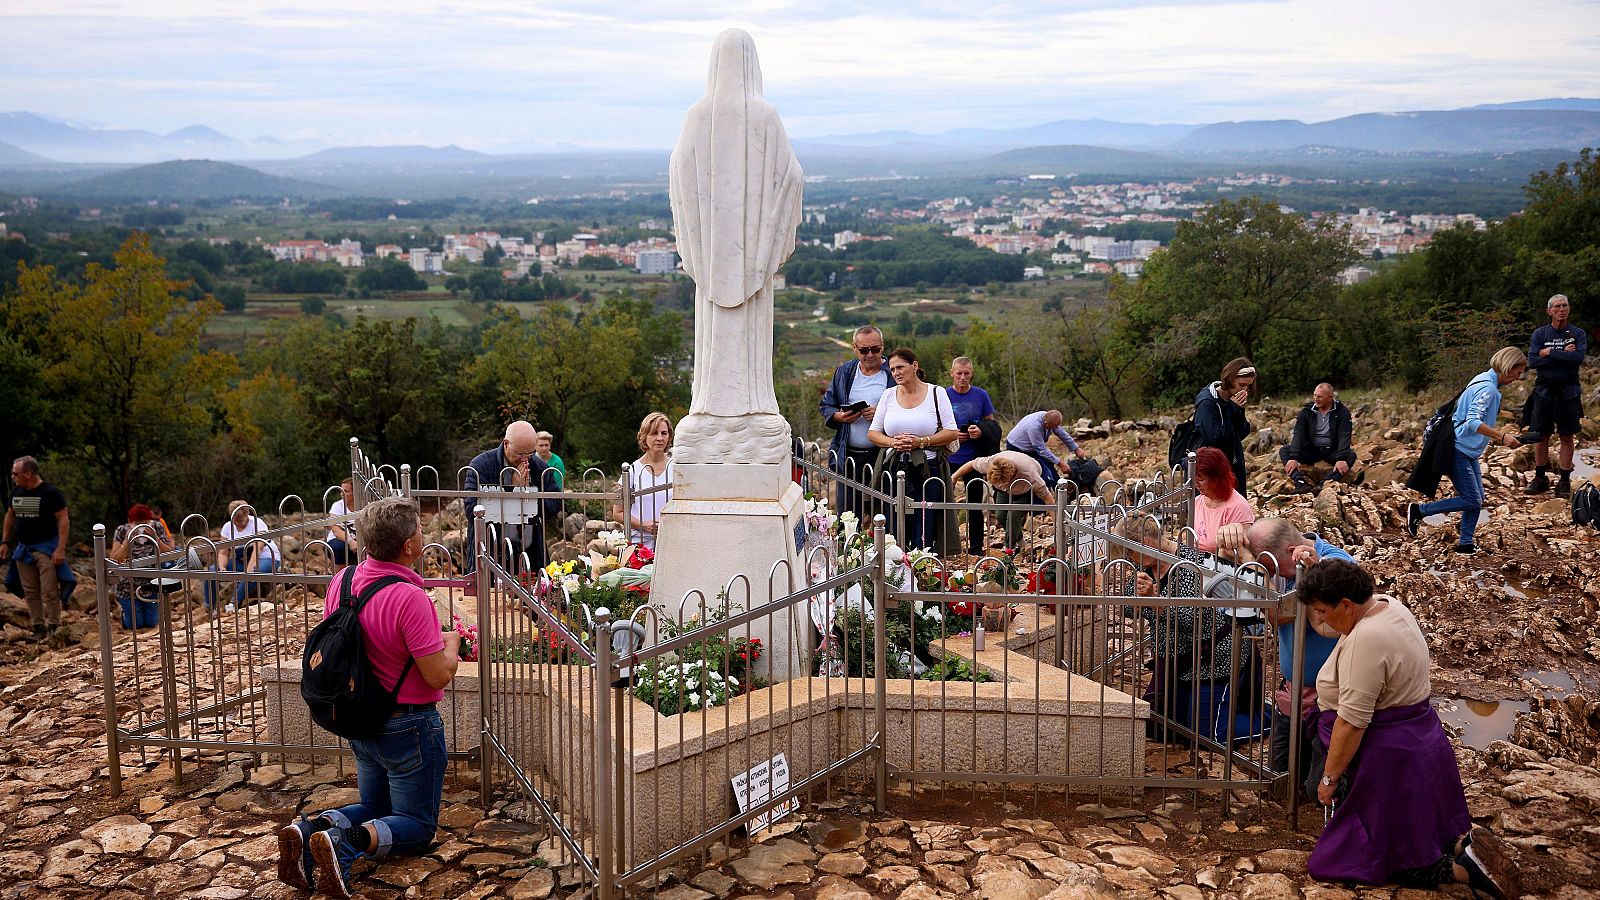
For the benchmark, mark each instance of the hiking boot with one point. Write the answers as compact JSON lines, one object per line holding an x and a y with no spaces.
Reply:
{"x":296,"y":868}
{"x":1539,"y":485}
{"x":1489,"y":865}
{"x":1564,"y":485}
{"x":1413,"y":518}
{"x":331,"y":857}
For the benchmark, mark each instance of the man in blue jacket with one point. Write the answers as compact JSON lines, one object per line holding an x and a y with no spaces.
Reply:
{"x":512,"y":465}
{"x":1556,"y":403}
{"x":847,"y":407}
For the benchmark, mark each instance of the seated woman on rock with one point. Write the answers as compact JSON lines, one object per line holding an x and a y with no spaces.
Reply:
{"x":1382,"y":759}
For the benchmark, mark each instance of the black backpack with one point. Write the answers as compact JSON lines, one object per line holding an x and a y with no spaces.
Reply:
{"x":1586,"y":506}
{"x":1084,"y":473}
{"x":336,"y":678}
{"x":1184,"y":439}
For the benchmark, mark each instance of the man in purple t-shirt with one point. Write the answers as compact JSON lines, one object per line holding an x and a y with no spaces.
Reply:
{"x":971,"y":406}
{"x":400,"y":773}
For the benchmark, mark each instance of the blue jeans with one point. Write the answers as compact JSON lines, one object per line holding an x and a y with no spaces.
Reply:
{"x":400,"y":775}
{"x":340,"y":551}
{"x":1468,"y":499}
{"x":924,"y":527}
{"x":237,"y":563}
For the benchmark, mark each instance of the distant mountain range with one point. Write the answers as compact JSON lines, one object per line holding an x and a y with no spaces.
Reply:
{"x":188,"y":181}
{"x":1554,"y":123}
{"x":59,"y":141}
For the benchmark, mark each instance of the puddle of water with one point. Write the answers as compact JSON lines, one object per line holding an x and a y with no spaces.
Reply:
{"x":1585,"y":464}
{"x":1555,"y":681}
{"x":1516,"y":589}
{"x":1481,"y":722}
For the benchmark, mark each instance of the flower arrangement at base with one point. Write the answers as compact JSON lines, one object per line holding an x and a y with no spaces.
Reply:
{"x":703,"y":673}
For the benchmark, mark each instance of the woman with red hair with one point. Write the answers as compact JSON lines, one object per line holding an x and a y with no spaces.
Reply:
{"x":1217,"y":501}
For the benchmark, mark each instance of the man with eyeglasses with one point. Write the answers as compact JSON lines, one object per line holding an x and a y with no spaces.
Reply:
{"x":513,"y":465}
{"x":36,"y":541}
{"x":848,"y":406}
{"x":1556,"y":403}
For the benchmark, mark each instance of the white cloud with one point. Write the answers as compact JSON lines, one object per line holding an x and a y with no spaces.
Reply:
{"x":485,"y":73}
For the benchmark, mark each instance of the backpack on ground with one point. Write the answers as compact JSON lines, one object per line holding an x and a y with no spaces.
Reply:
{"x":1084,"y":473}
{"x":336,"y":677}
{"x":1184,"y":439}
{"x":1586,"y":506}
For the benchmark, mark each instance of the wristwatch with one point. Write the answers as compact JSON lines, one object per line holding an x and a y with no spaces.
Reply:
{"x":1326,"y":781}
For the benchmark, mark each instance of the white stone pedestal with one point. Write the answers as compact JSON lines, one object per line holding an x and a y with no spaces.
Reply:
{"x":709,"y":534}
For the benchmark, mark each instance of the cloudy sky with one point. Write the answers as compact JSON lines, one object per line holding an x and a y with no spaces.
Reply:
{"x":618,"y":73}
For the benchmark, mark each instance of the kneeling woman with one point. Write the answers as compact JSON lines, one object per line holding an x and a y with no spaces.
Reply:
{"x":1399,"y":813}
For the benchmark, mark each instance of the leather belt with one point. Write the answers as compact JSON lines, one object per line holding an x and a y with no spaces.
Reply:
{"x":406,"y":709}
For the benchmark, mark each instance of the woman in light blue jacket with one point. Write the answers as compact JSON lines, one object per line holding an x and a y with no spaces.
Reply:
{"x":1477,"y":410}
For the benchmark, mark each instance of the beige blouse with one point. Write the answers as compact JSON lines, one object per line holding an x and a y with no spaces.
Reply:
{"x":1382,"y":663}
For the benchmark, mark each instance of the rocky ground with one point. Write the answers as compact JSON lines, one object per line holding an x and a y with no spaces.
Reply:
{"x":1513,"y":632}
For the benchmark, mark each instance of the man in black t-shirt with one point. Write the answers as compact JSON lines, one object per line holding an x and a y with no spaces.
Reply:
{"x":1555,"y":405}
{"x":36,"y":540}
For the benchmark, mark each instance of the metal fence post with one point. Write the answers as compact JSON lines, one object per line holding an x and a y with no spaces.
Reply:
{"x":902,"y":507}
{"x":485,"y":664}
{"x":605,"y":864}
{"x":107,"y":668}
{"x":405,"y":479}
{"x":1296,"y":687}
{"x":1188,"y":490}
{"x":169,"y":681}
{"x":880,"y":687}
{"x":626,"y":500}
{"x":1058,"y":648}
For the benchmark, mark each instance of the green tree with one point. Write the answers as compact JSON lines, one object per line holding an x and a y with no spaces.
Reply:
{"x":121,"y":356}
{"x":1240,"y":277}
{"x":1092,"y":354}
{"x":1557,"y":240}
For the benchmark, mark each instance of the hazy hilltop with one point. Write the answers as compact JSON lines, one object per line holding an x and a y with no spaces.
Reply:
{"x":1462,"y":130}
{"x":191,"y":180}
{"x":16,"y":156}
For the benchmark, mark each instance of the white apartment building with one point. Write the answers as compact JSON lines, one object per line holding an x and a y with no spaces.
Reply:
{"x":655,"y":262}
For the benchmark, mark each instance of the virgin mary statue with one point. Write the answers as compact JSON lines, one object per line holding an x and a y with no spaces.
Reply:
{"x":735,"y":188}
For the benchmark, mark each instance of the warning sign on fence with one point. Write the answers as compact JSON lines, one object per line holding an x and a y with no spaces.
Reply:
{"x":759,"y":785}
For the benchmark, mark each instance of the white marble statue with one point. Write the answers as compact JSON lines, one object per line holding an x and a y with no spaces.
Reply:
{"x":735,"y":190}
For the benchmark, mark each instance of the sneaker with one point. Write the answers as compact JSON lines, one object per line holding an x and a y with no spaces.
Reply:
{"x":1302,"y":485}
{"x":1489,"y":865}
{"x":1413,"y":518}
{"x":296,"y":868}
{"x":1468,"y":549}
{"x":1361,"y":478}
{"x":1537,"y":486}
{"x":331,"y":856}
{"x":40,"y":632}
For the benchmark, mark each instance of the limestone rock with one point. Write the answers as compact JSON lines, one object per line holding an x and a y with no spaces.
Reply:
{"x":844,"y":863}
{"x":891,"y":879}
{"x":1283,"y":860}
{"x":768,"y":865}
{"x":1269,"y":886}
{"x":714,"y":882}
{"x":1135,"y":857}
{"x":119,"y":834}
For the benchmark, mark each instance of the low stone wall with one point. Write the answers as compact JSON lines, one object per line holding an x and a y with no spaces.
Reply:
{"x":675,"y":771}
{"x":289,"y":721}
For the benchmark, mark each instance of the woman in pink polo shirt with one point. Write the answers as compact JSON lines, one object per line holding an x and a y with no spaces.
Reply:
{"x":1217,"y":500}
{"x":400,"y":773}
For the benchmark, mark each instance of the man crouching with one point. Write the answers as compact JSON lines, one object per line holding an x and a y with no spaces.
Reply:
{"x":400,"y":773}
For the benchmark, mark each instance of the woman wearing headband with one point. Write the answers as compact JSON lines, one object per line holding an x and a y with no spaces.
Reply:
{"x":1219,"y":414}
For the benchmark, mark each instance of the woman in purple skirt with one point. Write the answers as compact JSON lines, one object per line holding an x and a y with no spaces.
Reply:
{"x":1382,"y":760}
